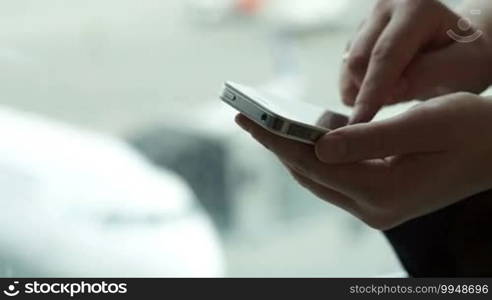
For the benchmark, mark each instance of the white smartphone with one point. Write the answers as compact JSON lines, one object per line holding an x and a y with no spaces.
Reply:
{"x":295,"y":120}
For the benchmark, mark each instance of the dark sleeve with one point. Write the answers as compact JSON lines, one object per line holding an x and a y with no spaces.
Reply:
{"x":453,"y":242}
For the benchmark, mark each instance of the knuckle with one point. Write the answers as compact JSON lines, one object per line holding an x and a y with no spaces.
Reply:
{"x":428,"y":110}
{"x":357,"y":62}
{"x":453,"y":105}
{"x":383,"y":52}
{"x":460,"y":96}
{"x":463,"y":106}
{"x":460,"y":102}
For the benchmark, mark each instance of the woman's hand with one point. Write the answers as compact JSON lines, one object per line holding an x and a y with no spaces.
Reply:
{"x":388,"y":172}
{"x":405,"y":51}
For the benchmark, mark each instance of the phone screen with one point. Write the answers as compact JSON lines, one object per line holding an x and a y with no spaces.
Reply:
{"x":298,"y":111}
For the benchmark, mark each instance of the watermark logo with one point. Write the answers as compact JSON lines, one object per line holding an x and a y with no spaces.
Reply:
{"x":70,"y":289}
{"x":465,"y":24}
{"x":11,"y":290}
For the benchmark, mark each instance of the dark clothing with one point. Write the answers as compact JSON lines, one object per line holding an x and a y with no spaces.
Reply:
{"x":453,"y":242}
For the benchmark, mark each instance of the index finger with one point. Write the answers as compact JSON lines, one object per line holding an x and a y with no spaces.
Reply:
{"x":399,"y":43}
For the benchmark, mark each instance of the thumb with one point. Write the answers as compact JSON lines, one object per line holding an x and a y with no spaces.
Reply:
{"x":403,"y":134}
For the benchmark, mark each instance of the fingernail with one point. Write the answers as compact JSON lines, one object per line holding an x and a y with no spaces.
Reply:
{"x":331,"y":148}
{"x":357,"y":116}
{"x":362,"y":113}
{"x":354,"y":119}
{"x":241,"y":122}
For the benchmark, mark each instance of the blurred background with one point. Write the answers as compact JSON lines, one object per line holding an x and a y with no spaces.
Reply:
{"x":118,"y":159}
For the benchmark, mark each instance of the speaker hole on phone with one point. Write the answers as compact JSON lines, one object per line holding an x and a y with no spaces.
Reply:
{"x":264,"y":117}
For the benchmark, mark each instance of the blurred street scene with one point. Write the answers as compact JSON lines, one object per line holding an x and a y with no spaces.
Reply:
{"x":124,"y":154}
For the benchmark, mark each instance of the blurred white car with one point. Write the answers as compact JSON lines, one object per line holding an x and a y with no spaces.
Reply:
{"x":74,"y":203}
